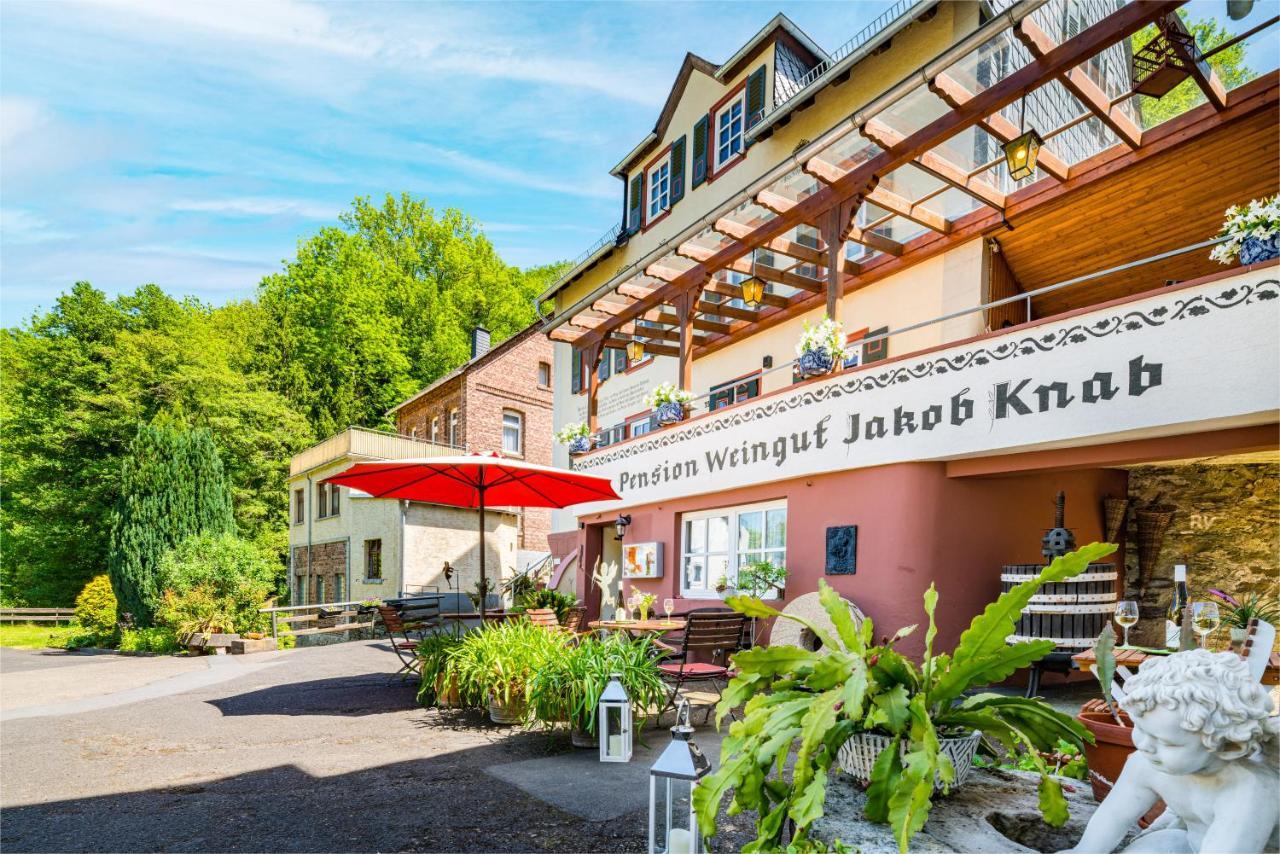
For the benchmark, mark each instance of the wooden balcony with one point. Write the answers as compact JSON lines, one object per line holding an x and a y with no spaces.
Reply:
{"x":368,"y":444}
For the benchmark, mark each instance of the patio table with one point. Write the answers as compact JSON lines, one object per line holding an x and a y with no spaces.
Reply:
{"x":638,"y":626}
{"x":1132,"y":658}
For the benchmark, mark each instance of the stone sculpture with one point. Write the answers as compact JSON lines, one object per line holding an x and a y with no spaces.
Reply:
{"x":1206,"y":745}
{"x":604,"y":576}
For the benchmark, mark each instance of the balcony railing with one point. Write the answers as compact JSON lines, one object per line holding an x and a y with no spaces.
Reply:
{"x":362,"y":442}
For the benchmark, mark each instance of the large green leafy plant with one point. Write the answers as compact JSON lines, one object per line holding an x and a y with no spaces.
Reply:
{"x":808,"y":704}
{"x":496,"y":662}
{"x":568,"y":687}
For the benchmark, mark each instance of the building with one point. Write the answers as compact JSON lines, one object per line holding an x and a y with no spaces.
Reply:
{"x":361,"y":548}
{"x":1007,"y":338}
{"x":498,"y":401}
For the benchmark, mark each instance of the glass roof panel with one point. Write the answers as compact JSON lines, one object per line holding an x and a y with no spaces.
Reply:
{"x":850,"y":151}
{"x":750,"y":214}
{"x":900,"y":229}
{"x":910,"y":182}
{"x":914,"y":111}
{"x":952,"y":203}
{"x":796,"y":185}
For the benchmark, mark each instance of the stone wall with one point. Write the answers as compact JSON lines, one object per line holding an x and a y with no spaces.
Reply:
{"x":328,"y":562}
{"x":1226,"y":530}
{"x":415,"y":418}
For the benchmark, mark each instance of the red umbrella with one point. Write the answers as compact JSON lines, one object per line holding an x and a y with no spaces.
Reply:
{"x":476,"y":480}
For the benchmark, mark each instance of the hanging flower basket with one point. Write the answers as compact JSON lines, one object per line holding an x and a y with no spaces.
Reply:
{"x":858,"y":755}
{"x":669,"y":404}
{"x":576,"y":437}
{"x":1252,"y":232}
{"x":820,"y":348}
{"x":581,"y":445}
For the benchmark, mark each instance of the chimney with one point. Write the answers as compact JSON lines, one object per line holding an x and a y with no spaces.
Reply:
{"x":479,"y":342}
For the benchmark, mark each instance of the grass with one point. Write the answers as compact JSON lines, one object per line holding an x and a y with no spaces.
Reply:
{"x":36,"y":635}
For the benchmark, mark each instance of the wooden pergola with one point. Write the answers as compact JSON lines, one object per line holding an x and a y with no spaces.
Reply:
{"x":686,"y":304}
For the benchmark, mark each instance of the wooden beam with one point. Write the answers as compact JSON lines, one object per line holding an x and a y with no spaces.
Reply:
{"x":907,"y":209}
{"x":563,"y":333}
{"x":1081,"y":85}
{"x":871,"y":240}
{"x":592,"y":358}
{"x":773,"y":274}
{"x":633,"y":291}
{"x":735,"y":292}
{"x":722,"y":310}
{"x":775,"y":202}
{"x":1110,"y":30}
{"x":956,"y":96}
{"x":1200,"y":70}
{"x":937,"y":166}
{"x":791,"y":248}
{"x":699,"y":323}
{"x":835,"y":226}
{"x":650,"y":348}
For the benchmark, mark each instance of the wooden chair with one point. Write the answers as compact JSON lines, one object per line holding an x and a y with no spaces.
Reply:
{"x":574,"y":618}
{"x":545,"y":617}
{"x":398,"y":634}
{"x":713,"y":632}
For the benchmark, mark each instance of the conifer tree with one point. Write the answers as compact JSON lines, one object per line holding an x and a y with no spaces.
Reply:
{"x":172,"y":486}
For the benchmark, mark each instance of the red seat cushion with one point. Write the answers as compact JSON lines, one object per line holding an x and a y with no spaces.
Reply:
{"x":406,"y":645}
{"x":694,"y":669}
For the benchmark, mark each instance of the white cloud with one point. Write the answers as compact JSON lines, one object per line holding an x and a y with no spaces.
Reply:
{"x":23,"y":226}
{"x":257,"y":206}
{"x":595,"y":189}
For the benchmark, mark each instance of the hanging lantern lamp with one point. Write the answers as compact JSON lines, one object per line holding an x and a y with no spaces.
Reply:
{"x":752,"y":286}
{"x":635,"y":350}
{"x":1020,"y":153}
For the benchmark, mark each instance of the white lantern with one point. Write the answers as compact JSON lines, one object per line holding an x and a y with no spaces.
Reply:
{"x":613,"y":722}
{"x":673,"y":827}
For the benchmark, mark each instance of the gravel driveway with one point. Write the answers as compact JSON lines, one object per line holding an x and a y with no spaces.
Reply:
{"x":308,"y":750}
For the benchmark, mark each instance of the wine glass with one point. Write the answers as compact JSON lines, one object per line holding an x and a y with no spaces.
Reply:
{"x":1126,"y":616}
{"x":668,"y":605}
{"x":1204,"y":619}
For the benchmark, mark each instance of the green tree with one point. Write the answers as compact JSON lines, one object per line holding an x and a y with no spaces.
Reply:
{"x":369,"y":312}
{"x":1229,"y":65}
{"x":171,"y":487}
{"x":234,"y":576}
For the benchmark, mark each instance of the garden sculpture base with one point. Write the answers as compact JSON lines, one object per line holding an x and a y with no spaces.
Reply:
{"x":994,"y":811}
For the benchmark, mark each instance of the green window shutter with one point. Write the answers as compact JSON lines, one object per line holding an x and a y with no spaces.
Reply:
{"x":637,"y":204}
{"x":755,"y":97}
{"x":576,"y":381}
{"x":606,"y":366}
{"x":677,"y":171}
{"x":619,"y":360}
{"x":699,"y":165}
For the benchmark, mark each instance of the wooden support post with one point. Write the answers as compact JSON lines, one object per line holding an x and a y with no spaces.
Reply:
{"x":592,"y":357}
{"x":686,"y":308}
{"x":835,"y":225}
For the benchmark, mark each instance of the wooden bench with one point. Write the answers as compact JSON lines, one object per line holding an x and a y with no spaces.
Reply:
{"x":37,"y":615}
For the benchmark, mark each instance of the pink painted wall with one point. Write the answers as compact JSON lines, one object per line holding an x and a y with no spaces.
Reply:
{"x":915,"y":526}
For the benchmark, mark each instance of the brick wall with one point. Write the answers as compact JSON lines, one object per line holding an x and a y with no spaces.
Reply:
{"x":508,"y":380}
{"x":415,"y":419}
{"x":328,"y":562}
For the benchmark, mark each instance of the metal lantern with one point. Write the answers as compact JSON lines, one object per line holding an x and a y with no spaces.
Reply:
{"x":1021,"y":153}
{"x":673,"y":826}
{"x":635,"y":350}
{"x":753,"y":286}
{"x":613,"y":722}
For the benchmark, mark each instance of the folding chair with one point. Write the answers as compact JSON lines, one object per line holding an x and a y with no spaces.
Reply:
{"x":406,"y":649}
{"x":714,"y":632}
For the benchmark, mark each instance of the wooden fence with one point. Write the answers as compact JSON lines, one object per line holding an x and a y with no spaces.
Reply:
{"x":37,"y":615}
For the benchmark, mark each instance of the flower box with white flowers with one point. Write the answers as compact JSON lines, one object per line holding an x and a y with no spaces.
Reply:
{"x":1252,"y":232}
{"x":820,"y":348}
{"x":576,"y":437}
{"x":669,"y":404}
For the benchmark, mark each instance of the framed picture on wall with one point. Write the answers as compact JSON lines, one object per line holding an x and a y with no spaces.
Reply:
{"x":642,"y":560}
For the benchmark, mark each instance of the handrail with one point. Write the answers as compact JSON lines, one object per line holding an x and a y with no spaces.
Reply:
{"x":1028,"y":296}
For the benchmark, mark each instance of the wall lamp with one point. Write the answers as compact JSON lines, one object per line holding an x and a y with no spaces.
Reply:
{"x":620,"y":525}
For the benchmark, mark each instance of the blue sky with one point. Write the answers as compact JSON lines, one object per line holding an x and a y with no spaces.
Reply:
{"x":193,"y":144}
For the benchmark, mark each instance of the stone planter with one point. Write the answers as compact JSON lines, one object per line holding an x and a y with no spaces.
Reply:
{"x":815,"y":363}
{"x":507,"y":713}
{"x":583,"y":739}
{"x":247,"y":646}
{"x":214,"y":643}
{"x":580,"y":445}
{"x":1106,"y":756}
{"x":858,"y":755}
{"x":671,"y":412}
{"x":1255,"y":250}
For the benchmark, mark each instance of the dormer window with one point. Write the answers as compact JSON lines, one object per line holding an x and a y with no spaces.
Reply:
{"x":729,"y":125}
{"x":659,"y":189}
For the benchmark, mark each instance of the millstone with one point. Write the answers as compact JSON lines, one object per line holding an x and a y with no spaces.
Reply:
{"x":809,"y":606}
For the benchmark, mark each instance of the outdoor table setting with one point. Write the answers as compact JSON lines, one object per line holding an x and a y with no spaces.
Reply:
{"x":639,"y":626}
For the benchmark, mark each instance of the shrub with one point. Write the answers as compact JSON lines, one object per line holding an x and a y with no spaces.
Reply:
{"x":159,"y":639}
{"x":96,"y":607}
{"x":496,"y":661}
{"x":568,"y":687}
{"x":215,"y":583}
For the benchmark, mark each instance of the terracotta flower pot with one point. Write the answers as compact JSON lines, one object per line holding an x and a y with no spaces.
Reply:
{"x":447,"y":696}
{"x":1107,"y":756}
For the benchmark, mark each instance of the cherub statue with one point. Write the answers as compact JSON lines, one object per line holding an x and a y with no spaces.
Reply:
{"x":1206,"y":745}
{"x":604,"y":575}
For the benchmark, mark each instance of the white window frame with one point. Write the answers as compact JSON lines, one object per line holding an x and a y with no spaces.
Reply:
{"x":658,"y":187}
{"x":453,"y":427}
{"x":519,"y":431}
{"x":722,"y":159}
{"x":707,"y":588}
{"x":544,"y":375}
{"x":435,"y":429}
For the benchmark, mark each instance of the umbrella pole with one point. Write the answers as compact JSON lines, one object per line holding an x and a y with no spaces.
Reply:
{"x":484,"y":588}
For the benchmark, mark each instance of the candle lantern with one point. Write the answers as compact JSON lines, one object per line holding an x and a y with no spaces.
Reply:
{"x":635,"y":350}
{"x":673,"y":826}
{"x":613,"y":722}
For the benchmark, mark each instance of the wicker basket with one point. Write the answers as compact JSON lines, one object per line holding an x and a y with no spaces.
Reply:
{"x":858,"y":755}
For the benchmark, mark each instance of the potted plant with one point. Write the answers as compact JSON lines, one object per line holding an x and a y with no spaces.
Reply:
{"x":492,"y":666}
{"x":1253,"y":233}
{"x":820,"y":348}
{"x":553,"y":599}
{"x":1239,"y":613}
{"x":762,"y":576}
{"x":644,"y":602}
{"x":813,"y":704}
{"x":576,"y":437}
{"x":482,"y":590}
{"x":567,"y":688}
{"x":438,"y":686}
{"x":669,"y":403}
{"x":722,"y":584}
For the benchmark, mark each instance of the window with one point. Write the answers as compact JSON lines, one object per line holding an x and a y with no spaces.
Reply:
{"x":320,"y":589}
{"x":299,"y":506}
{"x":453,"y":427}
{"x":512,"y":431}
{"x":659,"y":189}
{"x":612,"y":435}
{"x":372,"y":559}
{"x":337,"y":588}
{"x":544,"y":375}
{"x":301,"y":593}
{"x":326,"y":500}
{"x":734,"y":391}
{"x":435,"y":429}
{"x":729,"y":130}
{"x":717,"y":543}
{"x":643,"y":424}
{"x":575,"y":381}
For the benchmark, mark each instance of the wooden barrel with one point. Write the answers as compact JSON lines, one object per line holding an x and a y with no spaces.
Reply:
{"x":1070,"y":613}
